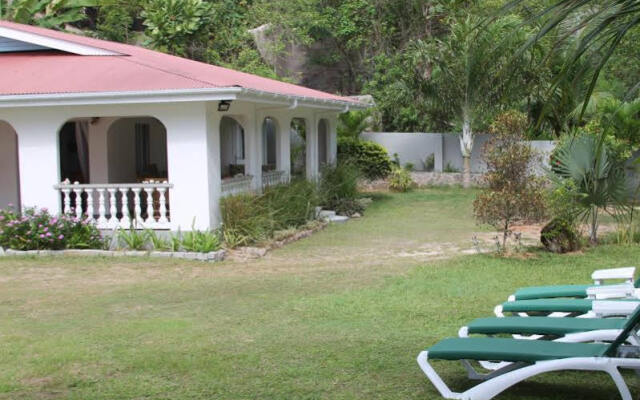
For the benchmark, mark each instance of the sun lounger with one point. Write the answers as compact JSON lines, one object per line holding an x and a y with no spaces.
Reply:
{"x":526,"y":358}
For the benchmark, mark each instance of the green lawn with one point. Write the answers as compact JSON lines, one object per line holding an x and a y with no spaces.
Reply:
{"x":340,"y":315}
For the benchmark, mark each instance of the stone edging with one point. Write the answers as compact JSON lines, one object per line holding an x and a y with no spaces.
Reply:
{"x":213,"y":256}
{"x":247,"y":252}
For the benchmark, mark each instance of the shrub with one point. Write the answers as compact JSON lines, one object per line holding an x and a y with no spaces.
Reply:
{"x":290,"y":205}
{"x":248,"y":219}
{"x":371,"y":158}
{"x":450,"y":169}
{"x":510,"y":122}
{"x":400,"y":180}
{"x":429,"y":163}
{"x":133,"y":239}
{"x":200,"y":241}
{"x":513,"y":194}
{"x":38,"y":230}
{"x":245,"y":218}
{"x":338,"y":188}
{"x":559,"y":236}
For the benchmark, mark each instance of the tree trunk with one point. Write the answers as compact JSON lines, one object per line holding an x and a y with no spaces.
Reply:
{"x":593,"y":235}
{"x":466,"y":147}
{"x":466,"y":171}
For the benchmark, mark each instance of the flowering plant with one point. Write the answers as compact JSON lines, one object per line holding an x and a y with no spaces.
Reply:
{"x":37,"y":229}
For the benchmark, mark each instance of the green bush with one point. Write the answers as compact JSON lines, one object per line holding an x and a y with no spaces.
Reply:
{"x":338,"y":183}
{"x":249,"y":219}
{"x":400,"y":180}
{"x":371,"y":158}
{"x":245,"y":219}
{"x":200,"y":241}
{"x":194,"y":241}
{"x":38,"y":230}
{"x":290,"y":205}
{"x":560,"y":236}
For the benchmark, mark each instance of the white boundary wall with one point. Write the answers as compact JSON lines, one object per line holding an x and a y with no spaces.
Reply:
{"x":415,"y":147}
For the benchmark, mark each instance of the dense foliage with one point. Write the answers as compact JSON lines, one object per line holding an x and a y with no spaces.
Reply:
{"x":371,"y":158}
{"x":39,"y":230}
{"x":430,"y":65}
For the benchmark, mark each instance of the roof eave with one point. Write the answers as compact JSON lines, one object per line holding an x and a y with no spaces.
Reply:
{"x":174,"y":95}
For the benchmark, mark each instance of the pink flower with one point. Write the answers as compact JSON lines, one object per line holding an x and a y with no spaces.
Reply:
{"x":61,"y":237}
{"x":48,"y":234}
{"x":41,"y":236}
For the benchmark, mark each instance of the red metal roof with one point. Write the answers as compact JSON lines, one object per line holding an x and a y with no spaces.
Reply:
{"x":137,"y":69}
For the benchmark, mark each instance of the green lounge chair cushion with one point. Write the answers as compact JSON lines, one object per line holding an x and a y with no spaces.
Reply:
{"x":543,"y":325}
{"x":513,"y":350}
{"x":542,"y":292}
{"x":548,"y":305}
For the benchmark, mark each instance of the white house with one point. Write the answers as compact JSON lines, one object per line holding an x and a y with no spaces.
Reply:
{"x":121,"y":133}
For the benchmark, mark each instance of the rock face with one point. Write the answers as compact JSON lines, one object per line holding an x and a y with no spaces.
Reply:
{"x":558,"y":237}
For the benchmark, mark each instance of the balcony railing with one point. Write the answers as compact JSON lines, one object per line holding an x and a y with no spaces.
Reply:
{"x":236,"y":185}
{"x":273,"y":178}
{"x":119,"y":205}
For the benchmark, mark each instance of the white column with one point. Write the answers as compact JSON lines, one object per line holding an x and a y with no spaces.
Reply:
{"x":187,"y":154}
{"x":312,"y":148}
{"x":39,"y":161}
{"x":332,"y":146}
{"x":213,"y":165}
{"x":98,"y":150}
{"x":283,"y":144}
{"x":253,"y":150}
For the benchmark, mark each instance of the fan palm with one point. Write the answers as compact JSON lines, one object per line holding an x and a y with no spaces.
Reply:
{"x":598,"y":181}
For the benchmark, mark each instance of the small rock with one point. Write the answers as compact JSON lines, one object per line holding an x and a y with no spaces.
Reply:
{"x":1,"y":251}
{"x":356,"y":215}
{"x":135,"y":253}
{"x":254,"y":252}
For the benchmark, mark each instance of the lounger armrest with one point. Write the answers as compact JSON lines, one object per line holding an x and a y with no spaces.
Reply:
{"x":626,"y":273}
{"x":623,"y":290}
{"x":613,"y":308}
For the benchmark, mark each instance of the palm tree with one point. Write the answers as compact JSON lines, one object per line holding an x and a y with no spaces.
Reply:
{"x":467,"y":72}
{"x":599,"y":27}
{"x":595,"y":180}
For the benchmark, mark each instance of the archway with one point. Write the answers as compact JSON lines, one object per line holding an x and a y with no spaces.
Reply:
{"x":232,"y":148}
{"x":137,"y":150}
{"x":9,"y":169}
{"x":298,"y":147}
{"x":323,"y":143}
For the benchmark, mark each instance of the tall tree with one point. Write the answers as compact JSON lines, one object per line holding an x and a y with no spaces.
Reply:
{"x":468,"y":75}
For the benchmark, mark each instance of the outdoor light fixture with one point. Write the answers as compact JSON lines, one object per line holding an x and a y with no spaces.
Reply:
{"x":224,"y":105}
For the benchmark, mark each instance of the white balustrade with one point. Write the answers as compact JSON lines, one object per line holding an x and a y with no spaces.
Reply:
{"x":110,"y":206}
{"x":273,"y":178}
{"x":236,"y":185}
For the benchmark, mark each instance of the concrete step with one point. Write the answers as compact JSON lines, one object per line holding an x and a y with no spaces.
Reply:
{"x":326,"y":214}
{"x":338,"y":219}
